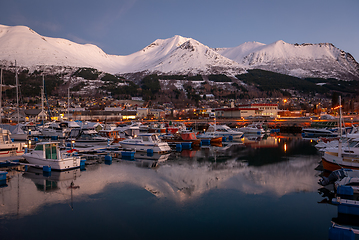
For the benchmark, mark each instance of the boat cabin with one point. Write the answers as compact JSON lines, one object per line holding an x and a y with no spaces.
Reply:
{"x":5,"y":139}
{"x":149,"y":137}
{"x":50,"y":149}
{"x":83,"y":133}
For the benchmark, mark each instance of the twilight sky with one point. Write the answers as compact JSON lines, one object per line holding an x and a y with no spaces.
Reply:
{"x":123,"y":27}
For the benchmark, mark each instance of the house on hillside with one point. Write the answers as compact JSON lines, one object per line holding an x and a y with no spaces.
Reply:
{"x":15,"y":117}
{"x":142,"y":113}
{"x":34,"y":115}
{"x":157,"y":113}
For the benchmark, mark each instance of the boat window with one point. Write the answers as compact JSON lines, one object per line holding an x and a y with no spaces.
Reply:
{"x":154,"y":139}
{"x":145,"y":138}
{"x":85,"y":137}
{"x":53,"y":152}
{"x":39,"y":147}
{"x":48,"y":151}
{"x":6,"y":138}
{"x":352,"y":144}
{"x":353,"y":184}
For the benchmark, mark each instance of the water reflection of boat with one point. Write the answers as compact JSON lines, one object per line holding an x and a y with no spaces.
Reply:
{"x":183,"y":137}
{"x":154,"y":157}
{"x":55,"y":181}
{"x":258,"y":141}
{"x":214,"y":139}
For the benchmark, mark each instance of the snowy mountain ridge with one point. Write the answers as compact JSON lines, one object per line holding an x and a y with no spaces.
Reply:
{"x":178,"y":55}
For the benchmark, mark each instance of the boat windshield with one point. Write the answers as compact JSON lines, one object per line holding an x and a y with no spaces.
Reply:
{"x":155,"y":138}
{"x":50,"y":151}
{"x":6,"y":138}
{"x":352,"y":144}
{"x":39,"y":147}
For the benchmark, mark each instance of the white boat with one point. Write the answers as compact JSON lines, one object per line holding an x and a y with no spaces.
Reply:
{"x":346,"y":156}
{"x":31,"y":129}
{"x":7,"y":147}
{"x":342,"y":157}
{"x":225,"y":131}
{"x":145,"y":141}
{"x":253,"y":128}
{"x":128,"y":131}
{"x":53,"y":130}
{"x":350,"y":179}
{"x":18,"y":134}
{"x":317,"y":132}
{"x":87,"y":137}
{"x":49,"y":154}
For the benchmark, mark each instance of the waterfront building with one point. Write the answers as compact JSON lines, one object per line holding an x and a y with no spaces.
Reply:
{"x":264,"y":109}
{"x":235,"y":112}
{"x":142,"y":113}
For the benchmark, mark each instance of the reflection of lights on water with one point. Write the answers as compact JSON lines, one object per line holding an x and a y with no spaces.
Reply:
{"x":285,"y":147}
{"x":278,"y":140}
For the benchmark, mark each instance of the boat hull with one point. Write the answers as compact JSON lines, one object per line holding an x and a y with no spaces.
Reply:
{"x":84,"y":143}
{"x":331,"y":162}
{"x":143,"y":147}
{"x":62,"y":164}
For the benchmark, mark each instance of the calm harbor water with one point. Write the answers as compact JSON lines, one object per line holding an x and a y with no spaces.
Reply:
{"x":265,"y":190}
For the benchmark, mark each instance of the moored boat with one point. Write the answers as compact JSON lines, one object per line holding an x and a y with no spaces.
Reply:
{"x":225,"y":131}
{"x":183,"y":137}
{"x":253,"y":128}
{"x":317,"y":132}
{"x":342,"y":157}
{"x":87,"y":137}
{"x":213,"y":139}
{"x":7,"y":147}
{"x":146,"y":141}
{"x":49,"y":154}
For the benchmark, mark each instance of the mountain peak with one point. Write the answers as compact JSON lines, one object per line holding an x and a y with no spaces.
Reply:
{"x":178,"y":55}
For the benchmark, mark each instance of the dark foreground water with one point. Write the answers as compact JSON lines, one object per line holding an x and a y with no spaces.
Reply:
{"x":266,"y":190}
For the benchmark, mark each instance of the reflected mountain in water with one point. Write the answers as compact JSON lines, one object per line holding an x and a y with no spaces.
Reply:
{"x":180,"y":178}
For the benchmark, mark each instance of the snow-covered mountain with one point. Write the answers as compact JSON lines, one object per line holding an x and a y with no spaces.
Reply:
{"x":177,"y":55}
{"x":30,"y":49}
{"x":300,"y":60}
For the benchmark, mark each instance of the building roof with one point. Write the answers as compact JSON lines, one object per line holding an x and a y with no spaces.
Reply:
{"x":260,"y":105}
{"x":236,"y":109}
{"x":33,"y":112}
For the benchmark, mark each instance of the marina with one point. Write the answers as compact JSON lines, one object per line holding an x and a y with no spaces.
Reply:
{"x":227,"y":191}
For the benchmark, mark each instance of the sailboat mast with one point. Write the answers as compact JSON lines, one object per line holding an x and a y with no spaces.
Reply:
{"x":42,"y":99}
{"x":17,"y":94}
{"x":68,"y":103}
{"x":340,"y":117}
{"x":340,"y":128}
{"x":0,"y":96}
